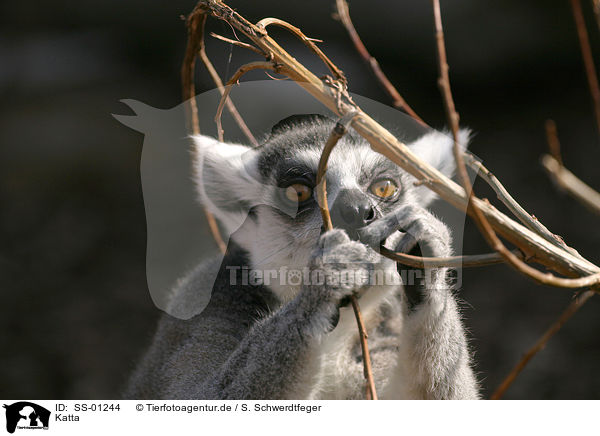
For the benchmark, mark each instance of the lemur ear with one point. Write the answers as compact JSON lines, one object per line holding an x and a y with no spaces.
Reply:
{"x":226,"y":178}
{"x":435,"y":148}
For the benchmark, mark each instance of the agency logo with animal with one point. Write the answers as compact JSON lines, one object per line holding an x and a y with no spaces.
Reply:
{"x":24,"y":415}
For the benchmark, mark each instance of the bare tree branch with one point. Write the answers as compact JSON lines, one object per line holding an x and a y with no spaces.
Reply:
{"x":234,"y":79}
{"x":588,"y":59}
{"x":530,"y":221}
{"x":596,"y":4}
{"x":571,"y":183}
{"x":236,"y":43}
{"x":450,"y":262}
{"x":338,"y":131}
{"x":195,"y":44}
{"x":571,"y":309}
{"x":566,"y":180}
{"x":398,"y":101}
{"x":553,"y":142}
{"x":480,"y":219}
{"x":309,"y":42}
{"x":334,"y":96}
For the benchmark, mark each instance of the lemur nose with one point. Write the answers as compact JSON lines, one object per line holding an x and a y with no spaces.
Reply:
{"x":352,"y":210}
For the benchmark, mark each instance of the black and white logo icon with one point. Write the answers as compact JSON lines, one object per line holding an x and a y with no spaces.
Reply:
{"x":26,"y":415}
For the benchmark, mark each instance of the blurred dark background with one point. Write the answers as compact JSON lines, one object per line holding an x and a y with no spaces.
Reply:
{"x":75,"y":307}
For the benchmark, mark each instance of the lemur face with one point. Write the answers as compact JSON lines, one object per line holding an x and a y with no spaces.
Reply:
{"x":362,"y":185}
{"x":266,"y":197}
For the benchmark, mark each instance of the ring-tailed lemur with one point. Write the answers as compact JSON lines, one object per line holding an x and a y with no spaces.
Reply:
{"x":298,"y":339}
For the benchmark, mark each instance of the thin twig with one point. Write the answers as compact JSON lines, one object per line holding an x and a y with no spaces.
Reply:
{"x":541,"y":343}
{"x":362,"y":332}
{"x":572,"y":184}
{"x":481,"y":221}
{"x":309,"y":42}
{"x":398,"y":101}
{"x":195,"y":25}
{"x":338,"y":132}
{"x":234,"y":79}
{"x":236,"y":43}
{"x":230,"y":106}
{"x":449,"y":262}
{"x":596,"y":4}
{"x":566,"y":180}
{"x":588,"y":59}
{"x":553,"y":142}
{"x":517,"y":210}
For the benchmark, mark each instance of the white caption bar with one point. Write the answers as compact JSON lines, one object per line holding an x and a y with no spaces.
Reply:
{"x":369,"y":418}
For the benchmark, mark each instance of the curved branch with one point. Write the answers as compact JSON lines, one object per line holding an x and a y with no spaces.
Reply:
{"x":234,"y":79}
{"x":468,"y":261}
{"x":337,"y":73}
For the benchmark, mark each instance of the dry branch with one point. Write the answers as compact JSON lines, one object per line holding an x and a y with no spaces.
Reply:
{"x":480,"y":219}
{"x":398,"y":101}
{"x":588,"y":59}
{"x":553,"y":142}
{"x":504,"y":196}
{"x":564,"y":178}
{"x":333,"y":95}
{"x":336,"y":134}
{"x":484,"y":226}
{"x":234,"y":79}
{"x":236,"y":43}
{"x":541,"y":343}
{"x":571,"y":183}
{"x":195,"y":45}
{"x":442,"y":262}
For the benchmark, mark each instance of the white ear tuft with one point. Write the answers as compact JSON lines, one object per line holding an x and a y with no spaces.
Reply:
{"x":226,"y":179}
{"x":436,"y":148}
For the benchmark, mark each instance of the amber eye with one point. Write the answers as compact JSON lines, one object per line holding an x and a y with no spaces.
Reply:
{"x":385,"y":188}
{"x":298,"y":192}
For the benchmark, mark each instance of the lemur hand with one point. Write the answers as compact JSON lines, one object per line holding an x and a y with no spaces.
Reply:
{"x":343,"y":264}
{"x":418,"y":227}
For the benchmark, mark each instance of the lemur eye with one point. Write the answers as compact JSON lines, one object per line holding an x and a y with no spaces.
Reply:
{"x":385,"y":188}
{"x":298,"y":192}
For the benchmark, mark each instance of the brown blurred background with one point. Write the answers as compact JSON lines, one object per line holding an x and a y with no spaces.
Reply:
{"x":75,"y":307}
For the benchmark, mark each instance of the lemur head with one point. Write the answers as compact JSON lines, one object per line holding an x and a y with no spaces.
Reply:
{"x":266,"y":198}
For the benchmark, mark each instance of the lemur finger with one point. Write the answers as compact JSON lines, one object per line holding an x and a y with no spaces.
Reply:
{"x":332,"y":238}
{"x":406,"y":243}
{"x":379,"y":230}
{"x":350,"y":252}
